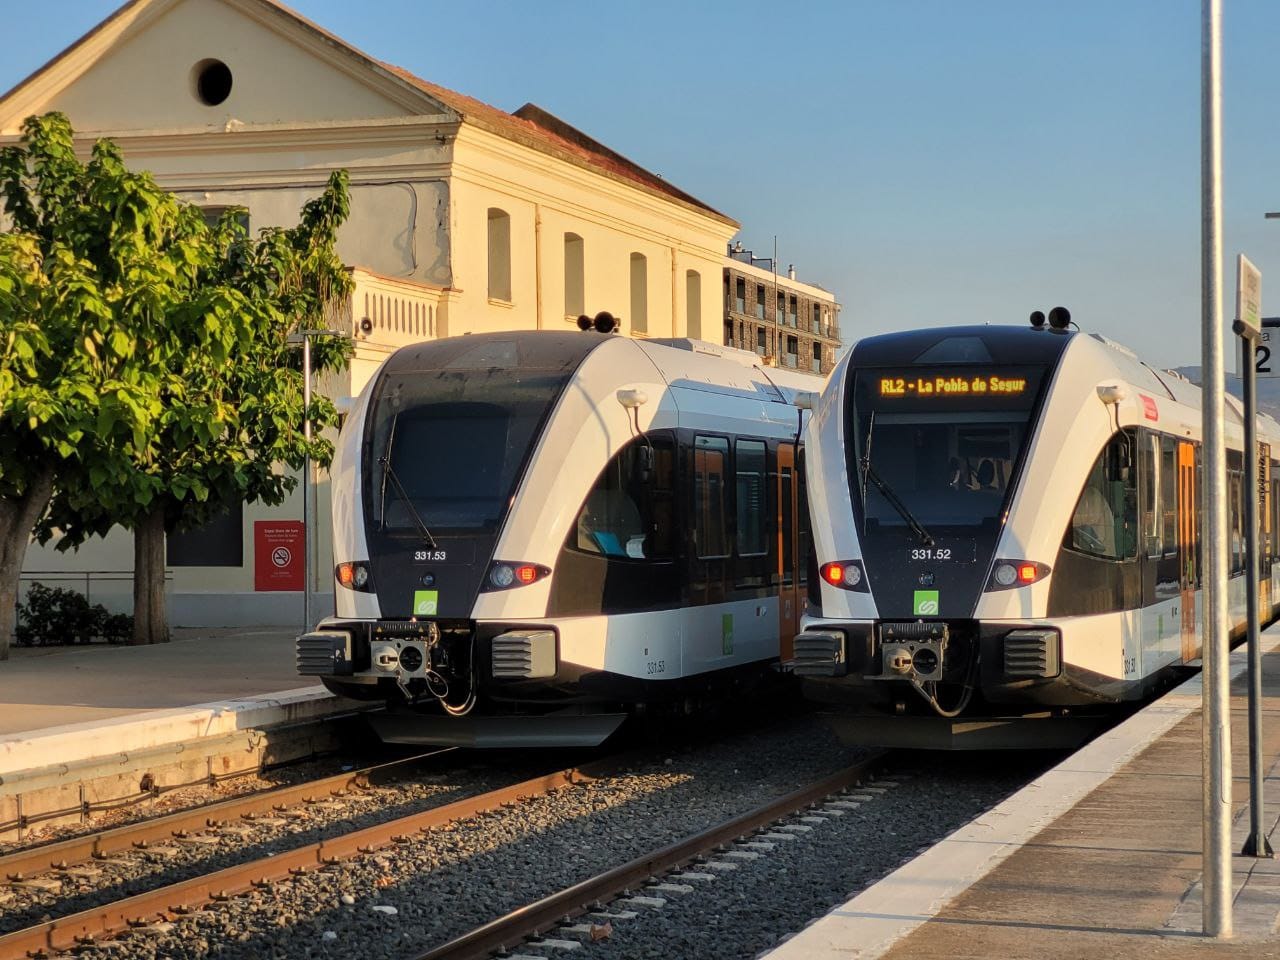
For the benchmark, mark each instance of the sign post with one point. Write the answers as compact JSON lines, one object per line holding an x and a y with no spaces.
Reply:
{"x":1216,"y":720}
{"x":1255,"y":359}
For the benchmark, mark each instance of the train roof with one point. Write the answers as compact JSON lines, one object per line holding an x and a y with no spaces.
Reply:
{"x":692,"y":364}
{"x":959,"y":345}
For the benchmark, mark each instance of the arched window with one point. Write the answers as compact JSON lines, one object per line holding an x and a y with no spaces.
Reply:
{"x":693,"y":303}
{"x":499,"y":255}
{"x":575,"y":300}
{"x":639,"y":294}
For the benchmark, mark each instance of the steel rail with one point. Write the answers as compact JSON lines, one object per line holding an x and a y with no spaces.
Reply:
{"x":101,"y":844}
{"x":179,"y":898}
{"x":510,"y":931}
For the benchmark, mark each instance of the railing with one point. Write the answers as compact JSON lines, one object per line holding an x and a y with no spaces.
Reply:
{"x":790,"y":360}
{"x":815,"y":365}
{"x":85,"y":577}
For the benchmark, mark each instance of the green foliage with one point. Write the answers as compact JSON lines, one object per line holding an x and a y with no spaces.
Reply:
{"x":53,"y":615}
{"x":148,"y":353}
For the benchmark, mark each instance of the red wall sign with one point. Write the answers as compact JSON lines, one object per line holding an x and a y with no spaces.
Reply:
{"x":277,"y":555}
{"x":1149,"y":408}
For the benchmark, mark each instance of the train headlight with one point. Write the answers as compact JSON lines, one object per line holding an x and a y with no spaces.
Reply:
{"x":1011,"y":574}
{"x":504,"y":575}
{"x":354,"y":575}
{"x":845,"y":574}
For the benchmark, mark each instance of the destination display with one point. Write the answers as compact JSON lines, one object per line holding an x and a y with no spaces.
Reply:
{"x":953,"y":385}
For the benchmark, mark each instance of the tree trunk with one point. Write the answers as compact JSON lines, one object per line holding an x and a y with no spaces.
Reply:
{"x":150,"y":617}
{"x":17,"y":519}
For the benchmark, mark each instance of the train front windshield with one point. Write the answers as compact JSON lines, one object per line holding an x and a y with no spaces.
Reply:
{"x":447,"y":446}
{"x":937,"y":449}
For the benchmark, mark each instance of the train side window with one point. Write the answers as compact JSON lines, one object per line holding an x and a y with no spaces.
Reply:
{"x":1105,"y":521}
{"x":1169,"y":494}
{"x":1275,"y":512}
{"x":750,"y":474}
{"x":1151,"y":519}
{"x":710,"y":498}
{"x":628,"y":513}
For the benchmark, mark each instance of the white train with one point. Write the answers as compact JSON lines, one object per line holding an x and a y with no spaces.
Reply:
{"x":1007,"y":533}
{"x":539,"y":532}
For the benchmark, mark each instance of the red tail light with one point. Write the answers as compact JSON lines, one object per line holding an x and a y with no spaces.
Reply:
{"x":845,"y":574}
{"x":1011,"y":574}
{"x":505,"y":575}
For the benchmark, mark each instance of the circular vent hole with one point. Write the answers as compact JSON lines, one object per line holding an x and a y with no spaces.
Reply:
{"x":212,"y":82}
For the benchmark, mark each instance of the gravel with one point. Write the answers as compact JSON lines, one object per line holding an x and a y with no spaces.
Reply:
{"x":423,"y":892}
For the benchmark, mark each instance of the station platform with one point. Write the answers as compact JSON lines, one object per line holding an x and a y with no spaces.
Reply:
{"x":86,"y":723}
{"x":1098,"y":857}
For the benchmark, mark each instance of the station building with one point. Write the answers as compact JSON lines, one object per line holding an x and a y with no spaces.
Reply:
{"x":786,"y":321}
{"x":464,"y":218}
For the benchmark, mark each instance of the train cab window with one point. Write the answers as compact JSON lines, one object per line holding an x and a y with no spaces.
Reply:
{"x":710,"y":499}
{"x":628,"y":513}
{"x":1105,"y":521}
{"x":752,"y":503}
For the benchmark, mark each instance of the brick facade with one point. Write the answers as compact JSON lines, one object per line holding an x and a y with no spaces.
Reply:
{"x":790,"y":323}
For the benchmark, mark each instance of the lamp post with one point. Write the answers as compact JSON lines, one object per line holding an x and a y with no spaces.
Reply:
{"x":305,"y":337}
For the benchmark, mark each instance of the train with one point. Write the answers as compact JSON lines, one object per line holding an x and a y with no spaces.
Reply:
{"x":1009,"y":547}
{"x":538,"y":534}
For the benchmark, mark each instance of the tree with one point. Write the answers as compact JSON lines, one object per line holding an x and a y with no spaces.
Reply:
{"x":93,"y":255}
{"x":145,"y":373}
{"x":231,"y":416}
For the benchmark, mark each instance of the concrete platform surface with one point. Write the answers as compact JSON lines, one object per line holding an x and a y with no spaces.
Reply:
{"x":1099,"y":857}
{"x":43,"y":687}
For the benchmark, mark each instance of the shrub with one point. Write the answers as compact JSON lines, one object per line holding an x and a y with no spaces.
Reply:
{"x":53,"y":615}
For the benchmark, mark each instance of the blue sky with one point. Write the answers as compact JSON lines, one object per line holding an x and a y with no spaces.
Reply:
{"x":931,"y":161}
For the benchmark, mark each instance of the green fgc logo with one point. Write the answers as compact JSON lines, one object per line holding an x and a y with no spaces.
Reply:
{"x":425,"y":602}
{"x":926,"y":603}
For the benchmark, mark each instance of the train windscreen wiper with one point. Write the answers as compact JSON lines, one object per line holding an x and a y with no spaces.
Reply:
{"x":869,"y":473}
{"x":389,"y":473}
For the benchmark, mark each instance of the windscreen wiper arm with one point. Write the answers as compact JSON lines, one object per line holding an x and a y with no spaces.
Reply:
{"x":869,"y":472}
{"x":389,"y":474}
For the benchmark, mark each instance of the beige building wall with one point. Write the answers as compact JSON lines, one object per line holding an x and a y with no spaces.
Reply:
{"x":426,"y":165}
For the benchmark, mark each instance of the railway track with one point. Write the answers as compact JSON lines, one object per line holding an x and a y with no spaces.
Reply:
{"x":100,"y":844}
{"x":165,"y":903}
{"x":557,"y":909}
{"x":168,"y":903}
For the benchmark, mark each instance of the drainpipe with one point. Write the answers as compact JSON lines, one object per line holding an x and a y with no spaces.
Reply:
{"x":537,"y":263}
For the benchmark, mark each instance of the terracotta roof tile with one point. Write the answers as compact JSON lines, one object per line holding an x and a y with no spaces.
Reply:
{"x":552,"y":135}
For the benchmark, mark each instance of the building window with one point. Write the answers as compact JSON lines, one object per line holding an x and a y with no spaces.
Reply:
{"x":817,"y":318}
{"x":740,"y":295}
{"x":791,"y":312}
{"x":793,"y":347}
{"x":816,"y":365}
{"x":575,"y":300}
{"x":219,"y":543}
{"x":780,"y":309}
{"x":239,"y":215}
{"x":499,"y":255}
{"x":760,"y":301}
{"x":760,"y":341}
{"x":693,"y":303}
{"x":639,"y":293}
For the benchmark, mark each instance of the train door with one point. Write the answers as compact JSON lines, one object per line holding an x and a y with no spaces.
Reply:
{"x":1188,"y":576}
{"x":788,"y":555}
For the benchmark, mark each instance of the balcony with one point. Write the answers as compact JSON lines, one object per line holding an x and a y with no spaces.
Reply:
{"x":386,"y":313}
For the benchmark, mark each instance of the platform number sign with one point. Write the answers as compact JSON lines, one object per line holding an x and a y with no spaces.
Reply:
{"x":1264,"y":361}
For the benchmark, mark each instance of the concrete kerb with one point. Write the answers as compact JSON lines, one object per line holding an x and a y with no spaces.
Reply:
{"x":869,"y":924}
{"x":60,"y":774}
